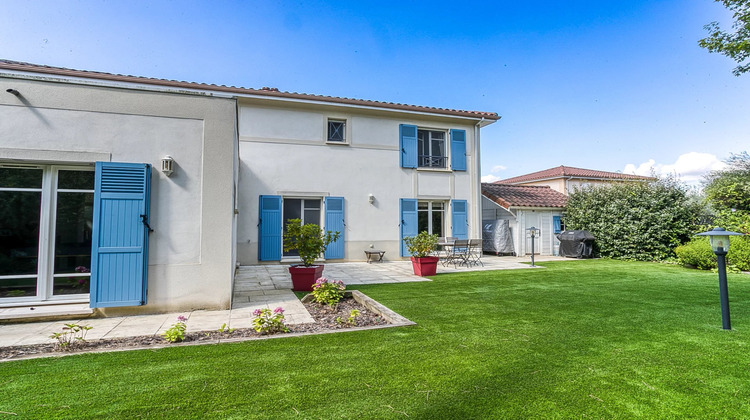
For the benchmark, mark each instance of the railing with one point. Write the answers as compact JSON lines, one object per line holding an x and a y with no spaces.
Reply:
{"x":432,"y":161}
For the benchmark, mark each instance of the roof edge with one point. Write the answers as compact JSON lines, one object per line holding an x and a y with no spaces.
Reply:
{"x":262,"y":93}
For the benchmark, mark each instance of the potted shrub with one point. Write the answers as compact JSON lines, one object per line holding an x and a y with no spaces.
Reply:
{"x":310,"y":241}
{"x":420,"y":247}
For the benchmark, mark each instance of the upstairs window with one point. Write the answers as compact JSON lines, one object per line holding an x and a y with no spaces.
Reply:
{"x":431,"y":149}
{"x":336,"y":131}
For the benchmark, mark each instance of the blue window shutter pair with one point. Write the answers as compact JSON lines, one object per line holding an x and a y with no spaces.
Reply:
{"x":119,"y":245}
{"x":408,"y":225}
{"x":334,"y":221}
{"x":408,"y":144}
{"x":556,"y":224}
{"x":270,"y":227}
{"x":459,"y":215}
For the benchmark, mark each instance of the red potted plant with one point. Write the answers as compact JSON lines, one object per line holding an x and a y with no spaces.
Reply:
{"x":420,"y":247}
{"x":310,"y":241}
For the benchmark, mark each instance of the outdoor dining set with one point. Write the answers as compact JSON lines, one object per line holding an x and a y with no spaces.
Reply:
{"x":456,"y":251}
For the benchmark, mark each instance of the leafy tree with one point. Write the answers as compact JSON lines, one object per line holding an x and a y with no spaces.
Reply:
{"x":634,"y":220}
{"x":735,"y":45}
{"x":728,"y":192}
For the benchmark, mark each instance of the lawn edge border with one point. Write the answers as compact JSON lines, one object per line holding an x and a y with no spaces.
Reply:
{"x":394,"y":318}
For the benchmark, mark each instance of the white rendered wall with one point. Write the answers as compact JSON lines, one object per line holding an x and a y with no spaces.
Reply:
{"x":284,"y":152}
{"x":190,"y":251}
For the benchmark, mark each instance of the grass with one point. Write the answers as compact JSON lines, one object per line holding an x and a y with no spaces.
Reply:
{"x":605,"y":339}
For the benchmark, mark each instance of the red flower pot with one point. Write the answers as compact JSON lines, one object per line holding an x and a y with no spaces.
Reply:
{"x":303,"y":277}
{"x":425,"y":266}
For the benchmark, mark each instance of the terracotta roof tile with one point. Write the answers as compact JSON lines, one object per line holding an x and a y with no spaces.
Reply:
{"x":523,"y":196}
{"x":265,"y":91}
{"x":568,"y":171}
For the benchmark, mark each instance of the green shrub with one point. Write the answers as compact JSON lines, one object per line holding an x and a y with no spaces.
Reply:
{"x":739,"y":252}
{"x":697,"y":253}
{"x":421,"y":245}
{"x":634,"y":220}
{"x":328,"y":292}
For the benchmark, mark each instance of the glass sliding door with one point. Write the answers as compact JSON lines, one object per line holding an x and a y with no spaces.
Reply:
{"x":20,"y":205}
{"x":307,"y":210}
{"x":73,"y":225}
{"x":45,"y":232}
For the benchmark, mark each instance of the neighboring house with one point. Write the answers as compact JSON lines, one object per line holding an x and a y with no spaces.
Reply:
{"x":566,"y":179}
{"x":89,"y":161}
{"x":524,"y":207}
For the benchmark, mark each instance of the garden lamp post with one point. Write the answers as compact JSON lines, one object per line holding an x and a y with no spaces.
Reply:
{"x":719,"y":239}
{"x":533,"y":232}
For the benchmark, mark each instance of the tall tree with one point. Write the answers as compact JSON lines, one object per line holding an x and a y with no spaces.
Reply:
{"x":728,"y":191}
{"x":735,"y":45}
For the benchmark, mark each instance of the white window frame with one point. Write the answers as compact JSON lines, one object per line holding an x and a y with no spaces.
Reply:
{"x":346,"y":131}
{"x":430,"y":210}
{"x":46,"y":250}
{"x":446,"y":148}
{"x":283,"y":220}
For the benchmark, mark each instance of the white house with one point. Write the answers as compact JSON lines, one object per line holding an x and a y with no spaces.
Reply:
{"x":140,"y":195}
{"x":374,"y":171}
{"x":524,"y":207}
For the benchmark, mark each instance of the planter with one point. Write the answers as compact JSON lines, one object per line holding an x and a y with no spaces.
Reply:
{"x":303,"y":277}
{"x":425,"y":266}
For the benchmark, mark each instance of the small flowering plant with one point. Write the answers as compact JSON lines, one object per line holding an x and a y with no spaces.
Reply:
{"x":268,"y":322}
{"x":328,"y":292}
{"x":176,"y":333}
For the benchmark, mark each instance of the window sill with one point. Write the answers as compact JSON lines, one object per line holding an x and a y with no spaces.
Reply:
{"x":338,"y":143}
{"x":426,"y":169}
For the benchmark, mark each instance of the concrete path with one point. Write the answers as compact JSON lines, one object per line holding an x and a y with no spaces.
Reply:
{"x":260,"y":286}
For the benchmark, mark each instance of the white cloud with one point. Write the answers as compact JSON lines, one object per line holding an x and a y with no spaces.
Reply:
{"x":689,"y":167}
{"x":490,"y":178}
{"x":497,"y":168}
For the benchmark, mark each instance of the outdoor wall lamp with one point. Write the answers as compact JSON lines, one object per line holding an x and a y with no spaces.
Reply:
{"x":533,"y":232}
{"x":167,"y":165}
{"x":371,"y":198}
{"x":719,"y":239}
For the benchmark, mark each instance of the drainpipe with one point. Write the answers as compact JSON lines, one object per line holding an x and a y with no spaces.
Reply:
{"x":478,"y":189}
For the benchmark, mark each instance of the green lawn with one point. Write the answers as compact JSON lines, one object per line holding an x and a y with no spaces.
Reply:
{"x":579,"y":339}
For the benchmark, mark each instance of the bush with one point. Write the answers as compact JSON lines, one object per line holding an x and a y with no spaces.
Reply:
{"x":328,"y":292}
{"x":697,"y":253}
{"x":421,"y":245}
{"x":634,"y":220}
{"x":739,"y":252}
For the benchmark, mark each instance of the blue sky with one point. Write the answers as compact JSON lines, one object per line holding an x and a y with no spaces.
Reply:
{"x":613,"y":85}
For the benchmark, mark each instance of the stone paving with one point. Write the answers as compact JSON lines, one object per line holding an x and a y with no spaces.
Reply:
{"x":259,"y":286}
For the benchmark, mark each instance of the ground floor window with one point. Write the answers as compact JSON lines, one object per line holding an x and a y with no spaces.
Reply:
{"x":45,"y":231}
{"x":308,"y":210}
{"x":431,"y":217}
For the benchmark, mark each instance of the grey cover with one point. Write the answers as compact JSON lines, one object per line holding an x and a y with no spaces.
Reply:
{"x":497,"y":238}
{"x":576,"y":244}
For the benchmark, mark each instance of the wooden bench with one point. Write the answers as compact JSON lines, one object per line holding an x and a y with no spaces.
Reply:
{"x":372,"y":253}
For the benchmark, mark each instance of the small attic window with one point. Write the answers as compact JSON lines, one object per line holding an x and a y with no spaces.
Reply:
{"x":336,"y":131}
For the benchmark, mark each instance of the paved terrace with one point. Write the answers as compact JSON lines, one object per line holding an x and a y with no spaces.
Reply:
{"x":258,"y":286}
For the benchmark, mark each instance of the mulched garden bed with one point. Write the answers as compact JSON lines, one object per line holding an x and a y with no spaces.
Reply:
{"x":325,"y":321}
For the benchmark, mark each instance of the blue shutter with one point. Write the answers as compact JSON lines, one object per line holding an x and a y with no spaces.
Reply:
{"x":460,"y":227}
{"x":408,"y":222}
{"x":458,"y":150}
{"x":269,"y":228}
{"x":408,"y":136}
{"x":119,"y":245}
{"x":334,"y":221}
{"x":556,"y":224}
